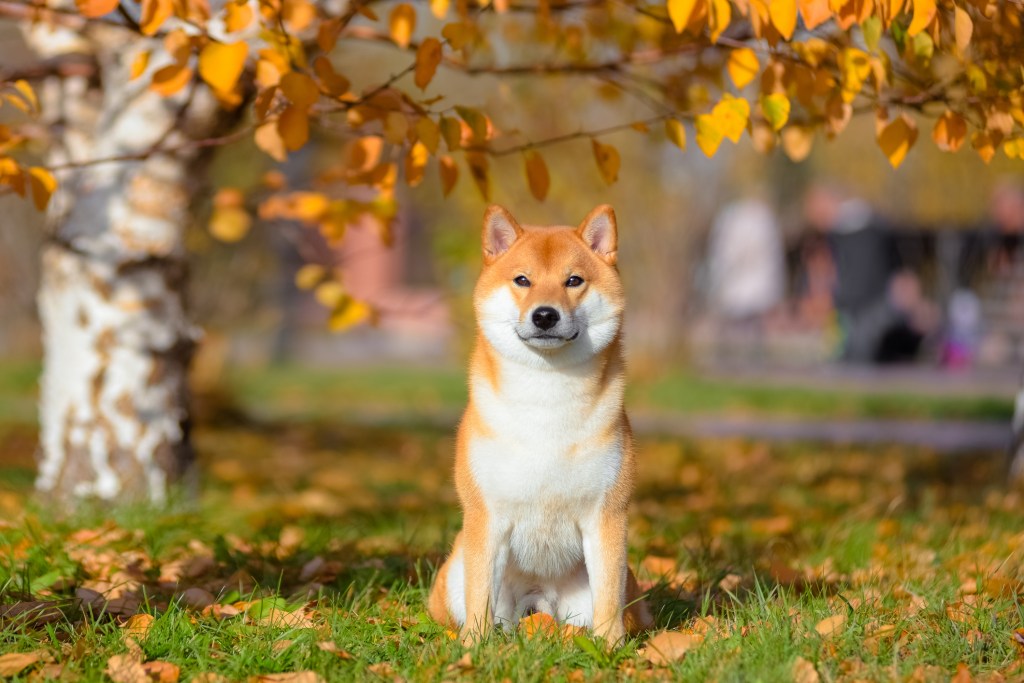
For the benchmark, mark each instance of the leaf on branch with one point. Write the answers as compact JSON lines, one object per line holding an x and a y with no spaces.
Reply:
{"x":1014,"y":149}
{"x":328,"y":33}
{"x":896,"y":139}
{"x":26,"y":99}
{"x":783,"y":16}
{"x":451,"y":131}
{"x":742,"y":66}
{"x":237,"y":16}
{"x":721,"y":15}
{"x":402,"y":23}
{"x":396,"y":127}
{"x":269,"y":140}
{"x":732,"y":114}
{"x":478,"y":169}
{"x":814,"y":13}
{"x":963,"y":28}
{"x":428,"y":132}
{"x":458,"y":34}
{"x":775,"y":108}
{"x":293,"y":127}
{"x":950,"y":131}
{"x":477,"y":122}
{"x":12,"y":175}
{"x":96,"y":8}
{"x":300,"y":89}
{"x":439,"y":8}
{"x":348,"y":314}
{"x":984,"y":145}
{"x":608,"y":161}
{"x":537,"y":176}
{"x":924,"y":13}
{"x":310,"y":275}
{"x":154,"y":14}
{"x":676,"y":133}
{"x":170,"y":79}
{"x":221,"y":64}
{"x":139,"y":65}
{"x":797,"y":142}
{"x":415,"y":163}
{"x":428,"y":58}
{"x":709,"y":134}
{"x":680,"y":11}
{"x":449,"y":172}
{"x":330,"y":80}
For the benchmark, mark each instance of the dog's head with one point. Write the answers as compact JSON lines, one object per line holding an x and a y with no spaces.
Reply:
{"x":549,"y":294}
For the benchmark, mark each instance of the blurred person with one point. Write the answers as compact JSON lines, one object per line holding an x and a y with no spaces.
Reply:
{"x":882,"y":310}
{"x":746,"y":267}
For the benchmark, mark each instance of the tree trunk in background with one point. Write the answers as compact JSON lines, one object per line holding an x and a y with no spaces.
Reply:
{"x":117,"y":340}
{"x":1017,"y":449}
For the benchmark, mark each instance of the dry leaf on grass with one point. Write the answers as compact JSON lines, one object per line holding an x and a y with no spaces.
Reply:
{"x":831,"y":626}
{"x":464,"y":664}
{"x":291,"y":677}
{"x":208,"y":677}
{"x":962,"y":675}
{"x":14,"y":663}
{"x":126,"y":669}
{"x":383,"y":669}
{"x":138,"y":626}
{"x":162,"y":672}
{"x":332,"y":647}
{"x":804,"y":672}
{"x":666,"y":647}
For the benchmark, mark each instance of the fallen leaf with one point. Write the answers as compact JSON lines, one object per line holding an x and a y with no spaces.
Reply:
{"x":14,"y":663}
{"x":126,"y":669}
{"x":293,"y":677}
{"x":138,"y":626}
{"x":162,"y":672}
{"x":804,"y":672}
{"x":538,"y":623}
{"x":831,"y":626}
{"x":666,"y":647}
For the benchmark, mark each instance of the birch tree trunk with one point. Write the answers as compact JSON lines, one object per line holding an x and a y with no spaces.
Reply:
{"x":117,"y":339}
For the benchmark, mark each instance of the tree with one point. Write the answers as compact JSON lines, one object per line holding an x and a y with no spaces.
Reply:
{"x":132,"y":92}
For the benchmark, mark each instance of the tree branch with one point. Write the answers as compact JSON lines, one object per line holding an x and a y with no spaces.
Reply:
{"x":64,"y":66}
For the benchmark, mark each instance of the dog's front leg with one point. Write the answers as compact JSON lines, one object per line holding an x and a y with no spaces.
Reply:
{"x":605,"y":553}
{"x":485,"y":554}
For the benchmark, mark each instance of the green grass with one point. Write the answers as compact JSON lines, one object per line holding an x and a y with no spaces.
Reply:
{"x":767,"y":540}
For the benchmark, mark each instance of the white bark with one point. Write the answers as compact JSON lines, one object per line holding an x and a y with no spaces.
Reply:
{"x":117,"y":339}
{"x":1017,"y":449}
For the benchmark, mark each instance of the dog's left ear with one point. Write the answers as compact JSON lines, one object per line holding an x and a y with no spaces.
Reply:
{"x":600,"y":232}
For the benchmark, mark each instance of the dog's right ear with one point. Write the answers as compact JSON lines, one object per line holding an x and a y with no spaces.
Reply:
{"x":500,"y":232}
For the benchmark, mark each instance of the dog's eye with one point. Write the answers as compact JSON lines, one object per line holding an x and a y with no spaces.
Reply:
{"x":574,"y":281}
{"x":522,"y":281}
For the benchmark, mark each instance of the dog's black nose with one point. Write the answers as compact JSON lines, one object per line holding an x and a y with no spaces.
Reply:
{"x":545,"y":317}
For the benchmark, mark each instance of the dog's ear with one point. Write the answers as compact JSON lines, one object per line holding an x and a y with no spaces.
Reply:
{"x":500,"y":232}
{"x":600,"y":232}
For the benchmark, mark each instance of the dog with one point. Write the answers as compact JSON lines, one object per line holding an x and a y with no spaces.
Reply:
{"x":544,"y":463}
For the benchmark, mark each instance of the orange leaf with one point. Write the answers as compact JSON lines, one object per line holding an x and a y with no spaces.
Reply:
{"x":96,"y":8}
{"x":831,"y":626}
{"x":293,"y":126}
{"x":924,"y":12}
{"x":415,"y":163}
{"x":721,"y":15}
{"x":666,"y":647}
{"x":139,"y":65}
{"x":300,"y":89}
{"x":540,"y":624}
{"x":680,"y":11}
{"x":154,"y":14}
{"x":221,"y":64}
{"x":14,"y":663}
{"x":333,"y":82}
{"x":170,"y":79}
{"x":449,"y":173}
{"x":428,"y":57}
{"x":478,"y":169}
{"x":896,"y":139}
{"x":126,"y":669}
{"x":783,"y":16}
{"x":269,"y":140}
{"x":804,"y":672}
{"x":237,"y":16}
{"x":162,"y":672}
{"x":401,"y":23}
{"x":537,"y":176}
{"x":963,"y":28}
{"x":950,"y":131}
{"x":608,"y":161}
{"x":797,"y":142}
{"x":676,"y":133}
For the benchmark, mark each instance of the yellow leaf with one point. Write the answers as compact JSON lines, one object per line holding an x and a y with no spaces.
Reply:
{"x":293,"y":126}
{"x":963,"y":28}
{"x":783,"y":16}
{"x":676,"y":133}
{"x":449,"y":172}
{"x":608,"y":161}
{"x":476,"y":121}
{"x":170,"y":79}
{"x":347,"y":315}
{"x":229,"y":223}
{"x":855,"y":66}
{"x":732,"y":114}
{"x":139,"y":65}
{"x":721,"y":15}
{"x":984,"y":145}
{"x":831,"y":626}
{"x":479,"y":171}
{"x":300,"y":89}
{"x":666,"y":647}
{"x":1014,"y":149}
{"x":679,"y":11}
{"x":537,"y":176}
{"x":269,"y":140}
{"x":333,"y":82}
{"x":814,"y":13}
{"x":12,"y":175}
{"x":428,"y":57}
{"x":797,"y":142}
{"x":221,"y":64}
{"x":25,"y":91}
{"x":709,"y":134}
{"x":139,"y":625}
{"x":328,"y":33}
{"x":775,"y":108}
{"x":310,"y":275}
{"x":451,"y":131}
{"x":415,"y":162}
{"x":96,"y":8}
{"x":458,"y":34}
{"x":439,"y":8}
{"x":742,"y":66}
{"x":896,"y":139}
{"x":154,"y":14}
{"x":237,"y":16}
{"x":924,"y":12}
{"x":950,"y":131}
{"x":402,"y":23}
{"x":428,"y":132}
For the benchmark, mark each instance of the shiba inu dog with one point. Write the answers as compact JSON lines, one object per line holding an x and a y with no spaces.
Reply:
{"x":544,"y":462}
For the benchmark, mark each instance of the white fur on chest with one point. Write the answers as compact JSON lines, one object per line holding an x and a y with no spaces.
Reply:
{"x":543,"y":468}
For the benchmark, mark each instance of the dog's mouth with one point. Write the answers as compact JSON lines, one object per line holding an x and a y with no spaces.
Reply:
{"x":548,"y":340}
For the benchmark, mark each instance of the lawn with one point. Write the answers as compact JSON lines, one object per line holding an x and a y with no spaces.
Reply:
{"x":312,"y":545}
